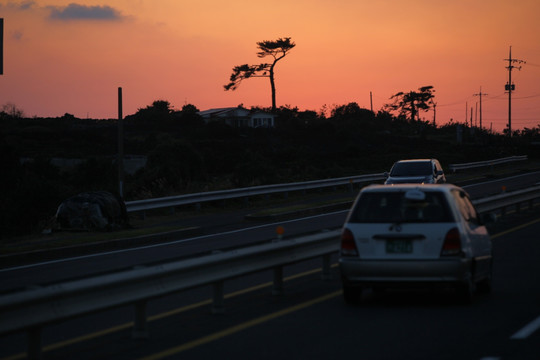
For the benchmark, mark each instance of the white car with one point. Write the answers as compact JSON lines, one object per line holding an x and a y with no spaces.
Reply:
{"x":412,"y":234}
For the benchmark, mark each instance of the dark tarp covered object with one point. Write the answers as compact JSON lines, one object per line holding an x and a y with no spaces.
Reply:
{"x":92,"y":210}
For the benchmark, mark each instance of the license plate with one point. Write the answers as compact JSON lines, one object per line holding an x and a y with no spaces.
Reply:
{"x":398,"y":246}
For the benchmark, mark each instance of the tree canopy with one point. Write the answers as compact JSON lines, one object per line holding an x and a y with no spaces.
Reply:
{"x":410,"y":103}
{"x":277,"y":49}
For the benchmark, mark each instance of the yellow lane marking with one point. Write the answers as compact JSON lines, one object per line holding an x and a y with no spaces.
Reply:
{"x":515,"y":228}
{"x":227,"y":296}
{"x":128,"y":325}
{"x":207,"y":302}
{"x":234,"y":329}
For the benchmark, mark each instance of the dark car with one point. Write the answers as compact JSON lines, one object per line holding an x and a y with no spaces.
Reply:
{"x":416,"y":171}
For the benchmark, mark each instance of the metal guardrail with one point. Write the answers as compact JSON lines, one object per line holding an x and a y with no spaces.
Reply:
{"x":30,"y":310}
{"x":504,"y":200}
{"x":198,"y":198}
{"x":477,"y":164}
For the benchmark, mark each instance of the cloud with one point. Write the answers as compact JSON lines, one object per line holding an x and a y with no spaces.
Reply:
{"x":83,"y":12}
{"x":21,"y":5}
{"x":26,"y":5}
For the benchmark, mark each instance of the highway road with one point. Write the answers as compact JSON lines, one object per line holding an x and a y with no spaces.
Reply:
{"x":221,"y":231}
{"x":309,"y":320}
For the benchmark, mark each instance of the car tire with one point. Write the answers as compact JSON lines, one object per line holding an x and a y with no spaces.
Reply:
{"x":484,"y":285}
{"x":464,"y":292}
{"x":352,"y":294}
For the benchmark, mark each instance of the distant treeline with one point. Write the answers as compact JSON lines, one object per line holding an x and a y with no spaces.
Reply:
{"x":185,"y":154}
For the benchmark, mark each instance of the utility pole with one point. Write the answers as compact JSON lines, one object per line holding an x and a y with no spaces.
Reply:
{"x":510,"y":86}
{"x":120,"y":146}
{"x":480,"y":95}
{"x":434,"y":113}
{"x":371,"y":100}
{"x":1,"y":46}
{"x":476,"y":114}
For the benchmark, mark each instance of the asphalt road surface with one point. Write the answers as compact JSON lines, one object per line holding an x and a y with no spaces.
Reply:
{"x":221,"y":232}
{"x":310,"y":319}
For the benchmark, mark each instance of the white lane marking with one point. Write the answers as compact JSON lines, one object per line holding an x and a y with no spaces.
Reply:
{"x":205,"y":236}
{"x":164,"y":244}
{"x":527,"y":330}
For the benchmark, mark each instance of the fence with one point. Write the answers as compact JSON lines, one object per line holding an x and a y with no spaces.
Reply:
{"x":491,"y":163}
{"x":198,"y":198}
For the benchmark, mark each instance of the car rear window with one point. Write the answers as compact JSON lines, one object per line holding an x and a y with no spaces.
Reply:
{"x":417,"y":168}
{"x":393,"y":207}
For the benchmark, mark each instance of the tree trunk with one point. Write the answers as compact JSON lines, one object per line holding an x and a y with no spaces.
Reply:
{"x":413,"y":111}
{"x":273,"y":86}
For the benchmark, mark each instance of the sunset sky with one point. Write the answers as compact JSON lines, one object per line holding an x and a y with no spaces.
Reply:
{"x":71,"y":56}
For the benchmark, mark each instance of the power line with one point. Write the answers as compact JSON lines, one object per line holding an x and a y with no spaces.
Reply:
{"x":452,"y":104}
{"x":526,"y":97}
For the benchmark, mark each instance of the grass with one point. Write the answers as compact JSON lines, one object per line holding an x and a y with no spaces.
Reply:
{"x":72,"y":238}
{"x":163,"y":221}
{"x":292,"y":208}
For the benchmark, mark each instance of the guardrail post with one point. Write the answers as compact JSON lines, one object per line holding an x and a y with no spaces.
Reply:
{"x":34,"y":343}
{"x":218,"y":296}
{"x":326,"y":275}
{"x":140,"y":329}
{"x":278,"y":281}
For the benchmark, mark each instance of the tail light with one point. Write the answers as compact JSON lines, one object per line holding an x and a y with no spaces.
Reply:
{"x":452,"y":243}
{"x":348,"y":246}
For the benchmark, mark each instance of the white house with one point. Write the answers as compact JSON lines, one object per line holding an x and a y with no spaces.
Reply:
{"x":239,"y":117}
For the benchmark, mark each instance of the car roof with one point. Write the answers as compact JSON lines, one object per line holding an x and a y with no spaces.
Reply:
{"x":405,"y":187}
{"x":415,"y":160}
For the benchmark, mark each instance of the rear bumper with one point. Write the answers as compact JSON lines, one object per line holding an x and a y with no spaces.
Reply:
{"x":405,"y":272}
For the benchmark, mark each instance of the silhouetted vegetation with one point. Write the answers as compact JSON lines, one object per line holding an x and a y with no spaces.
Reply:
{"x":186,"y":155}
{"x":412,"y":102}
{"x":276,"y":49}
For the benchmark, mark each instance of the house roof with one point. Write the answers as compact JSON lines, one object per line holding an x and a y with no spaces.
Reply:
{"x":229,"y":112}
{"x":224,"y":112}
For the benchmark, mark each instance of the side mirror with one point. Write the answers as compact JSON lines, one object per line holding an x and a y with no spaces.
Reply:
{"x":385,"y":174}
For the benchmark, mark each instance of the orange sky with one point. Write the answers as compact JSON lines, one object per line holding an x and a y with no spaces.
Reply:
{"x":71,"y":56}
